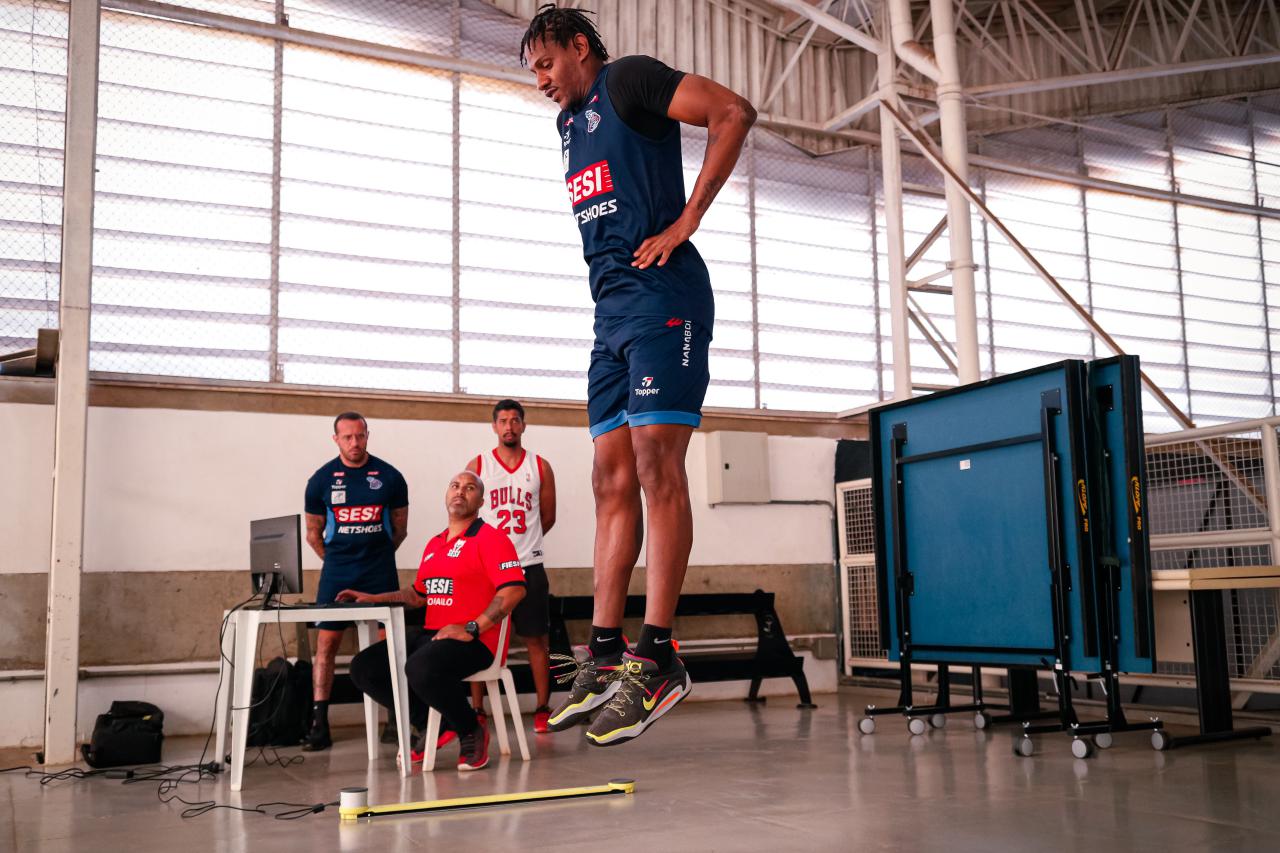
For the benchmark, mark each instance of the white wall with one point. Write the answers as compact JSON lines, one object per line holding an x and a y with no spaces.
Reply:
{"x":174,"y":490}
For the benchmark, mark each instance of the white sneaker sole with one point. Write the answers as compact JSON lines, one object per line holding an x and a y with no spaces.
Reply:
{"x":633,"y":732}
{"x":584,"y":709}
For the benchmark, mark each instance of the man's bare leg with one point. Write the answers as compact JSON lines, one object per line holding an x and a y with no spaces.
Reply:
{"x":660,"y":450}
{"x":327,"y":642}
{"x":619,"y":524}
{"x":540,"y":665}
{"x":656,"y":678}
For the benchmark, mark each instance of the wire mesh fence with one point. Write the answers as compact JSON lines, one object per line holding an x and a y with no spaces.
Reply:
{"x":33,"y":68}
{"x":858,"y":572}
{"x":275,"y":204}
{"x":1201,"y":490}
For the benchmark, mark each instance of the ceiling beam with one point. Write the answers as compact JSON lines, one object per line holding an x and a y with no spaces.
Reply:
{"x":1123,"y":75}
{"x":831,"y":24}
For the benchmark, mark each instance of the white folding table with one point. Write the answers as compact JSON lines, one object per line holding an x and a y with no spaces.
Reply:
{"x":239,"y":655}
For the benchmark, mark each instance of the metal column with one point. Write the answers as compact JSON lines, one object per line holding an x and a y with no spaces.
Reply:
{"x":955,"y":149}
{"x":66,"y":553}
{"x":891,"y":175}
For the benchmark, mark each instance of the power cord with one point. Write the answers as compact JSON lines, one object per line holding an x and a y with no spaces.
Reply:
{"x":170,"y":776}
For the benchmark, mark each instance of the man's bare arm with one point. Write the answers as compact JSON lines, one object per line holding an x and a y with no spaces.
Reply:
{"x":727,"y":117}
{"x":399,"y":526}
{"x":315,"y":533}
{"x":547,"y":498}
{"x":408,"y":597}
{"x":502,"y":605}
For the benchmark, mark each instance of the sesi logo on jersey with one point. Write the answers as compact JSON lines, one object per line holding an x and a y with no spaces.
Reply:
{"x":590,"y":182}
{"x":357,"y":514}
{"x":437,"y":586}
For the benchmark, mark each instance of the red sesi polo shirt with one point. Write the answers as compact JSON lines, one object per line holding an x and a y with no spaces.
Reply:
{"x":460,"y":576}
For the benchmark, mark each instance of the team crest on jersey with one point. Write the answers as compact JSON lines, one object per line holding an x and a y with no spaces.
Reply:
{"x":374,"y":483}
{"x":593,"y":121}
{"x":338,"y":497}
{"x":456,"y":550}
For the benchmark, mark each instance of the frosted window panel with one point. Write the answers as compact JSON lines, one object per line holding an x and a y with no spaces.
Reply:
{"x":366,"y":310}
{"x":374,"y":344}
{"x":549,"y":291}
{"x":143,"y":292}
{"x":348,"y":375}
{"x":110,"y":326}
{"x":519,"y":385}
{"x":569,"y":325}
{"x":179,"y":364}
{"x":517,"y":355}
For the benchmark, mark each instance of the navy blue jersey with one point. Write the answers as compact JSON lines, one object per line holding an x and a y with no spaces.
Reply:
{"x":356,"y":504}
{"x":624,"y":188}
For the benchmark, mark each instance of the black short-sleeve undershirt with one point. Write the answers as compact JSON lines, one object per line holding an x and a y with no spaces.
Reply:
{"x":641,"y":89}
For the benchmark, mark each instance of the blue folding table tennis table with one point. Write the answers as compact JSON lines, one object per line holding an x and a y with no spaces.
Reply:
{"x":1010,"y":534}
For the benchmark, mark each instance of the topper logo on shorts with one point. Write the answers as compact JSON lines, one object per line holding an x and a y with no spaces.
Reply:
{"x":357,"y":514}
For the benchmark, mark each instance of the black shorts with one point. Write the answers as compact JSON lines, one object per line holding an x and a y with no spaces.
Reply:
{"x":532,"y":616}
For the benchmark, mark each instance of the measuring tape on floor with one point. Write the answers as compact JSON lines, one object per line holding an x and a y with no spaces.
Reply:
{"x":353,"y":803}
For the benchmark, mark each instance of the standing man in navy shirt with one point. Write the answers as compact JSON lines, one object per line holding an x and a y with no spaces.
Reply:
{"x":357,"y":515}
{"x":619,"y":128}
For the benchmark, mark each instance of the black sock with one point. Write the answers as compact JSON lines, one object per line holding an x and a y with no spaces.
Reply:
{"x":606,"y":642}
{"x":320,"y":714}
{"x":655,"y":644}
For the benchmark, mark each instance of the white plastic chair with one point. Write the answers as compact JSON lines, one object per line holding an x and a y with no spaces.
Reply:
{"x":491,"y":677}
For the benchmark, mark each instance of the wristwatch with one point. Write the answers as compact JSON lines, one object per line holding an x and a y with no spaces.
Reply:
{"x":473,"y":628}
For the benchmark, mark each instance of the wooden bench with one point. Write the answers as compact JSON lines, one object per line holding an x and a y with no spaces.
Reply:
{"x":772,"y":658}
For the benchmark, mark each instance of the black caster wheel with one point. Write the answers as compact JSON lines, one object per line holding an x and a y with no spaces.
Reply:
{"x":916,"y":726}
{"x":938,"y":721}
{"x":1081,"y":748}
{"x":1024,"y":746}
{"x":867,"y":725}
{"x":981,"y":720}
{"x":1103,"y":740}
{"x":1160,"y":741}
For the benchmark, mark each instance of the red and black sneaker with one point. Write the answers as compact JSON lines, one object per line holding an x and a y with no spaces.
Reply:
{"x":474,"y":751}
{"x":541,"y":715}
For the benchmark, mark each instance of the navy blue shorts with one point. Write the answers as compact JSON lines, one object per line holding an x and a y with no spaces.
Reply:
{"x":334,"y":579}
{"x":647,"y":369}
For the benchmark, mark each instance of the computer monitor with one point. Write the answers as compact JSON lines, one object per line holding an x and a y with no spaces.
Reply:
{"x":275,"y":555}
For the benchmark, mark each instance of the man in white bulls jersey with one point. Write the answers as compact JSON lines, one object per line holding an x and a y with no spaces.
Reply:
{"x":521,"y":502}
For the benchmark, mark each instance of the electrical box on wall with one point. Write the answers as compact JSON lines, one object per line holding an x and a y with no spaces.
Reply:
{"x":737,"y":468}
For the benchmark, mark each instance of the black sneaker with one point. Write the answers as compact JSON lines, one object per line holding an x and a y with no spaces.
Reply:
{"x":389,"y":733}
{"x":474,"y":749}
{"x":590,"y":688}
{"x":318,"y":738}
{"x":644,"y":694}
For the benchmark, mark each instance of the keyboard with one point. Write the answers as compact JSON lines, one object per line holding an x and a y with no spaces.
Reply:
{"x":307,"y":605}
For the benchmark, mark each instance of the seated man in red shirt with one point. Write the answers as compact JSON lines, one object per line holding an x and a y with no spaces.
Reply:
{"x":469,"y":580}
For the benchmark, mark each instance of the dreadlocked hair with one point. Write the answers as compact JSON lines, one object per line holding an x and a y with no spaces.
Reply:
{"x":559,"y":26}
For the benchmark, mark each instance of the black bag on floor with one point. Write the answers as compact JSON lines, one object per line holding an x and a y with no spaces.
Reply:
{"x":281,"y":706}
{"x":129,"y":733}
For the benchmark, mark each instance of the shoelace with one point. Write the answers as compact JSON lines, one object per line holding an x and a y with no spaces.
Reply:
{"x":631,"y":677}
{"x":569,"y":663}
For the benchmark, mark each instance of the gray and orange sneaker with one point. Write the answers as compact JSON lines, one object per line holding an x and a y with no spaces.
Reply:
{"x":644,"y":694}
{"x":590,"y":688}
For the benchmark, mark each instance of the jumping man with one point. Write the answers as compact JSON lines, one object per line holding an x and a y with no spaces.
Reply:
{"x":619,"y":127}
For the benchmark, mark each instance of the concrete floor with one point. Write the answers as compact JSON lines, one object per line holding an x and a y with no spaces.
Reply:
{"x":713,"y":776}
